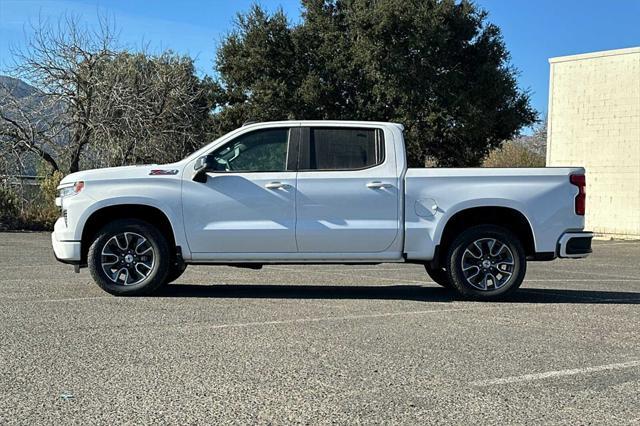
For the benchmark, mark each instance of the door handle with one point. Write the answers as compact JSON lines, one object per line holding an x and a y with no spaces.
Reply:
{"x":377,"y":185}
{"x":276,"y":185}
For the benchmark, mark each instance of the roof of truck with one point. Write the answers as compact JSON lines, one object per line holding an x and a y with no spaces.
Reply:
{"x":327,"y":123}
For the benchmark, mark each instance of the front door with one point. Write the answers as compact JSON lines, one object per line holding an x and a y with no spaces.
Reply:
{"x":348,"y":192}
{"x":247,"y":204}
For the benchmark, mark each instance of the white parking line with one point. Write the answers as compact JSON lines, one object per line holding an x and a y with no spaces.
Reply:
{"x":610,"y":265}
{"x":426,"y":280}
{"x":625,"y":243}
{"x":558,"y":373}
{"x":340,"y":318}
{"x":548,"y":292}
{"x":70,"y":299}
{"x":35,"y":279}
{"x":40,"y":265}
{"x":599,"y":280}
{"x":599,"y":274}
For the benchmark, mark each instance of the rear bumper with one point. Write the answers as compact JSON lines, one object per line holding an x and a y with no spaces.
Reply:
{"x":575,"y":244}
{"x":66,"y":251}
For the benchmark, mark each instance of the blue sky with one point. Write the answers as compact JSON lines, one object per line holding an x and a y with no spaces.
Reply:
{"x":533,"y":30}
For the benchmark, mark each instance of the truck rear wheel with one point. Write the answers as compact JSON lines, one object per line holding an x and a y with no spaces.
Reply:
{"x":486,"y":262}
{"x":129,"y":257}
{"x":438,"y":275}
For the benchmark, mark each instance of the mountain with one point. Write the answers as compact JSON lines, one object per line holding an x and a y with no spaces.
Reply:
{"x":16,"y":87}
{"x":35,"y":105}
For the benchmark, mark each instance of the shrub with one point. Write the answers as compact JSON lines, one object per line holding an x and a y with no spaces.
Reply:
{"x":30,"y":210}
{"x":41,"y":213}
{"x":9,"y":207}
{"x":48,"y":189}
{"x":514,"y":154}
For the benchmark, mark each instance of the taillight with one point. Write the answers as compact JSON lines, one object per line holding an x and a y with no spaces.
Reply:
{"x":581,"y":182}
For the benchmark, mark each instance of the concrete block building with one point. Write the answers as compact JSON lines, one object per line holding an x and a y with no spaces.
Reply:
{"x":594,"y":121}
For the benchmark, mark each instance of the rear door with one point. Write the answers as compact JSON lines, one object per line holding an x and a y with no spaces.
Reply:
{"x":348,"y":194}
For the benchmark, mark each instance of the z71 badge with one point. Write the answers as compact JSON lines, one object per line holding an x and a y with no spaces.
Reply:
{"x":157,"y":172}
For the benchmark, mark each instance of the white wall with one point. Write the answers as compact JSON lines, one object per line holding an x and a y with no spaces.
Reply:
{"x":594,"y":121}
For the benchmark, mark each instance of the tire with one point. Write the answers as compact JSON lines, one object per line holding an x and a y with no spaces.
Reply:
{"x":129,"y":257}
{"x":500,"y":269}
{"x":438,"y":275}
{"x":175,"y":270}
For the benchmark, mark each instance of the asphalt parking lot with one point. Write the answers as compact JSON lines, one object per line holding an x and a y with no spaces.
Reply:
{"x":319,"y":344}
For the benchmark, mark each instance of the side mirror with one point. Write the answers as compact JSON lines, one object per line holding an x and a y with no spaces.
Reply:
{"x":203,"y":165}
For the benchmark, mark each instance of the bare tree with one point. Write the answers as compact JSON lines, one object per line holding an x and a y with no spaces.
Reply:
{"x":538,"y":141}
{"x":155,"y":108}
{"x":60,"y":61}
{"x":27,"y":126}
{"x":99,"y":105}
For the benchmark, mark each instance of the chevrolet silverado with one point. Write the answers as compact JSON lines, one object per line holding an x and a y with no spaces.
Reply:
{"x":318,"y":192}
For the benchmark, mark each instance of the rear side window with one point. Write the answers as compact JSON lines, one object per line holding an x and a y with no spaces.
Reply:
{"x":327,"y":148}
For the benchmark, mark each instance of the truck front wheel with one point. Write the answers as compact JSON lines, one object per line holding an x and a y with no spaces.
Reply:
{"x":486,"y":262}
{"x":129,"y":257}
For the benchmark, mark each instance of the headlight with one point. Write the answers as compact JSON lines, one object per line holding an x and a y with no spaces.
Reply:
{"x":70,"y":189}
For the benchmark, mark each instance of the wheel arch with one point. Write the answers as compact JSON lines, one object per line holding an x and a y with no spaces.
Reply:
{"x":104,"y":215}
{"x":508,"y":217}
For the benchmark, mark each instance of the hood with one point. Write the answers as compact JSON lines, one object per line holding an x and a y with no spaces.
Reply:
{"x":124,"y":172}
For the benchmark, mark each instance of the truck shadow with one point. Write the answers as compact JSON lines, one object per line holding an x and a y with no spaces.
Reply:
{"x":393,"y":292}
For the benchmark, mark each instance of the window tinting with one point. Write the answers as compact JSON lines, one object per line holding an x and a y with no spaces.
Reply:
{"x":259,"y":151}
{"x":344,"y":149}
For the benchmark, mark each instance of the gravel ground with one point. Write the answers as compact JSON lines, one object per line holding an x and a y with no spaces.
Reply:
{"x":319,"y":344}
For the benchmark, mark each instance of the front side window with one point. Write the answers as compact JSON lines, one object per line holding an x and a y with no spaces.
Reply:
{"x":259,"y":151}
{"x":343,"y":149}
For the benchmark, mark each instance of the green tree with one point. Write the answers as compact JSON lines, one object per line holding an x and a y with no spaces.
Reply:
{"x":257,"y":67}
{"x":436,"y":66}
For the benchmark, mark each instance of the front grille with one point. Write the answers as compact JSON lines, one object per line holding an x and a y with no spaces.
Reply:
{"x":64,"y":215}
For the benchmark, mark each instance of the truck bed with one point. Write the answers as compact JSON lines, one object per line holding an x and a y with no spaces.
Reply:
{"x":544,"y":195}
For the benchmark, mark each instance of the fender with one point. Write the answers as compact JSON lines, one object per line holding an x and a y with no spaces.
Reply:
{"x":422,"y":236}
{"x":174,"y":217}
{"x":480,"y":202}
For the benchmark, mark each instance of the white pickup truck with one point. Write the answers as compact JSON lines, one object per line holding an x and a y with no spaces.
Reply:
{"x":317,"y":192}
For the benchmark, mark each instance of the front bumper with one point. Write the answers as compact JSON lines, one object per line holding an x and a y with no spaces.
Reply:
{"x":575,"y":244}
{"x":65,"y":251}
